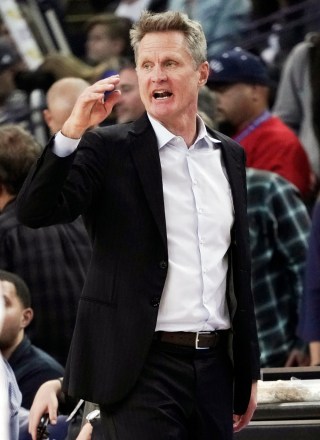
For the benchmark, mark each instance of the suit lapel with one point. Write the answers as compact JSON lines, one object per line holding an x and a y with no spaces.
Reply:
{"x":145,"y":155}
{"x":233,"y":160}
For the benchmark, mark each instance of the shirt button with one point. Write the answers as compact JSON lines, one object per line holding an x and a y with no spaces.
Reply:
{"x":155,"y":301}
{"x":163,"y":264}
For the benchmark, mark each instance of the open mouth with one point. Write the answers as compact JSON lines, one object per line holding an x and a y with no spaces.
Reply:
{"x":162,"y":95}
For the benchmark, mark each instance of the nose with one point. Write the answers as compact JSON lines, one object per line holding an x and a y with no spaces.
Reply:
{"x":158,"y":74}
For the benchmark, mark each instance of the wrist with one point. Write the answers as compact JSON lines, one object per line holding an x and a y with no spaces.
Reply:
{"x":71,"y":132}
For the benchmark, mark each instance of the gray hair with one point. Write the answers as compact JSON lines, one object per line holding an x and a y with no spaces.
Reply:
{"x":171,"y":21}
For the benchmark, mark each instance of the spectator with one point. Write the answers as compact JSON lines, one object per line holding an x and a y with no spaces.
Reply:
{"x":31,"y":366}
{"x":298,"y":96}
{"x":59,"y":66}
{"x":60,"y":99}
{"x":223,"y":21}
{"x":107,"y":38}
{"x":49,"y":399}
{"x":129,"y":106}
{"x":4,"y":396}
{"x":241,"y":84}
{"x":51,"y":260}
{"x":13,"y":417}
{"x":279,"y":226}
{"x":14,"y":105}
{"x":283,"y":23}
{"x":309,"y":325}
{"x":10,"y":396}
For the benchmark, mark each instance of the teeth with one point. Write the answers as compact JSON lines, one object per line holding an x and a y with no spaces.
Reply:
{"x":162,"y":95}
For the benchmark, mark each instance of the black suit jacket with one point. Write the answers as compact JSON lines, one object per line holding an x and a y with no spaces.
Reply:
{"x":114,"y":181}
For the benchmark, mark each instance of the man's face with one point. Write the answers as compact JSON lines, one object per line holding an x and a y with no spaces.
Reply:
{"x":129,"y":107}
{"x":99,"y":47}
{"x":234,"y":103}
{"x":168,"y":79}
{"x":14,"y":317}
{"x":56,"y":116}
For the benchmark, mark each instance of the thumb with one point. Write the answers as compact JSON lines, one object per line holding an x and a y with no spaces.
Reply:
{"x":111,"y":98}
{"x":53,"y":415}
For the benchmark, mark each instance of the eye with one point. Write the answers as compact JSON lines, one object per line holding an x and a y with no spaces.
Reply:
{"x":147,"y":66}
{"x":170,"y":63}
{"x":126,"y":88}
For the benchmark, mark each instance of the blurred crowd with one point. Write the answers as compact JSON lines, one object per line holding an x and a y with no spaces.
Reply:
{"x":263,"y":91}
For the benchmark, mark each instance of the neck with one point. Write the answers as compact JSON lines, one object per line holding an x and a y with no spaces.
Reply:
{"x":5,"y":198}
{"x":7,"y":352}
{"x":250,"y":119}
{"x":186,"y":128}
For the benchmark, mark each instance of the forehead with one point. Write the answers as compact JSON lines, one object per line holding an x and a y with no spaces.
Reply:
{"x":98,"y":29}
{"x":128,"y":74}
{"x":158,"y":43}
{"x":8,"y":290}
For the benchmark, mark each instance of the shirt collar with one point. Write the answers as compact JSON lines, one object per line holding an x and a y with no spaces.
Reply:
{"x":164,"y":136}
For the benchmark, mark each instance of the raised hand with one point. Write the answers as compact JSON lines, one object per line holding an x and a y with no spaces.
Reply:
{"x":91,"y":108}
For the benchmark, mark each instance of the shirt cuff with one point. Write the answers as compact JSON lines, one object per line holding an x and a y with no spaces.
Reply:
{"x":64,"y":146}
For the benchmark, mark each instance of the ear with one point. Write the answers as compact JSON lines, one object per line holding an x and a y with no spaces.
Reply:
{"x":27,"y":316}
{"x":47,"y":116}
{"x":203,"y":73}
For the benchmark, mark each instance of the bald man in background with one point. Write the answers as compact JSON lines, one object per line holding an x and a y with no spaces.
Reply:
{"x":61,"y":98}
{"x":129,"y":107}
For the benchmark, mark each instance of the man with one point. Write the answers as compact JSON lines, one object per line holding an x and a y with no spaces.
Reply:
{"x":61,"y":98}
{"x":155,"y":316}
{"x":241,"y":84}
{"x":10,"y":396}
{"x":31,"y":366}
{"x":14,"y":105}
{"x":4,"y":396}
{"x":52,"y":261}
{"x":224,"y":22}
{"x":297,"y":98}
{"x":129,"y":106}
{"x":279,"y":226}
{"x":309,"y":326}
{"x":107,"y":37}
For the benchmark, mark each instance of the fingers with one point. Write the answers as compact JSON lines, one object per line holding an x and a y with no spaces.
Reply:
{"x":92,"y":107}
{"x":45,"y":401}
{"x":104,"y":87}
{"x":85,"y":433}
{"x":241,"y":421}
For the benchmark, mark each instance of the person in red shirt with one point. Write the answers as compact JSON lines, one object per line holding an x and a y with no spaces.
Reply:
{"x":241,"y":83}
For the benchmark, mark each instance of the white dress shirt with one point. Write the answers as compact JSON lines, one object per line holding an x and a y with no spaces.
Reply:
{"x":199,"y":217}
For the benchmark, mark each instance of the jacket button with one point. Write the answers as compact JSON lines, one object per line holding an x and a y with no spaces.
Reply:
{"x":163,"y":264}
{"x":155,"y":302}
